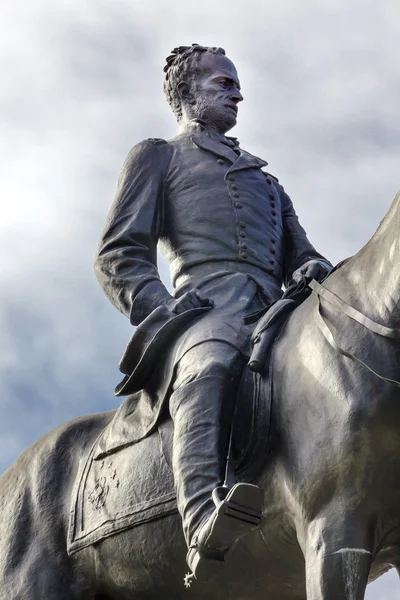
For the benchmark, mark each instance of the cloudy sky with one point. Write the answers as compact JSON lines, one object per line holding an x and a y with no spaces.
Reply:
{"x":81,"y":82}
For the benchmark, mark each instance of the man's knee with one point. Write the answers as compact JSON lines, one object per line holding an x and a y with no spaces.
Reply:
{"x":210,"y":359}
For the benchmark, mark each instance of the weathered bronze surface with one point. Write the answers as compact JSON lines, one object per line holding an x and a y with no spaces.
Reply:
{"x":231,"y":236}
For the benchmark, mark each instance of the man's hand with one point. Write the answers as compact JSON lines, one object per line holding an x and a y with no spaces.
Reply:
{"x":192,"y":299}
{"x":312,"y":269}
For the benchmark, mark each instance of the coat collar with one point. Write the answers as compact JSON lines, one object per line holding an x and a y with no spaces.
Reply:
{"x":213,"y":142}
{"x":210,"y":144}
{"x":247,"y":161}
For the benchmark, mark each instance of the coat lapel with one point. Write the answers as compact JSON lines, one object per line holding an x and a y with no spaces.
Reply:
{"x":247,"y":161}
{"x":244,"y":161}
{"x":205,"y":142}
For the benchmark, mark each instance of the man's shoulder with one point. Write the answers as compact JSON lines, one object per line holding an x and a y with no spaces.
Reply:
{"x":147,"y":145}
{"x":145,"y":150}
{"x":157,"y":141}
{"x":274,"y":177}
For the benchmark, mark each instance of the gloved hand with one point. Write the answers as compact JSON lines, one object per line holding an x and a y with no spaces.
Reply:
{"x":191,"y":299}
{"x":312,"y":269}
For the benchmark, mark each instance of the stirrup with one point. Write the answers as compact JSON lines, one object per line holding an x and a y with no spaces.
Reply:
{"x":219,"y":494}
{"x":239,"y":513}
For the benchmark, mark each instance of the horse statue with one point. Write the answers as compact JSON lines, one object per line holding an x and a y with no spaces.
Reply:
{"x":332,"y":502}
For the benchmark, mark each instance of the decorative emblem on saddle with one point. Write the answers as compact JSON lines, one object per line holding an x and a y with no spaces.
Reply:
{"x":98,"y":496}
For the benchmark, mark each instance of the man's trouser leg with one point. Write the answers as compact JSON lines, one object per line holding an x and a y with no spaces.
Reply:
{"x":201,"y":406}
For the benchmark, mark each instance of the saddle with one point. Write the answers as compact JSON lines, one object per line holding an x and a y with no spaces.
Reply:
{"x":251,"y":432}
{"x":133,"y":484}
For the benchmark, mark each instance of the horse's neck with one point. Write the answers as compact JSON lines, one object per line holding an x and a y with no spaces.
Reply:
{"x":370,"y":281}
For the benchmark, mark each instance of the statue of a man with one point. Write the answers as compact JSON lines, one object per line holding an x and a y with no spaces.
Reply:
{"x":231,"y":237}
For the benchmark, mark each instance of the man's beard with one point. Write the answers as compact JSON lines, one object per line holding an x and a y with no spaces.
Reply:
{"x":215,"y":116}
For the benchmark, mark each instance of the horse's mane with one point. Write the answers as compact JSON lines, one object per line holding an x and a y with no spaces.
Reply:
{"x":387,"y":230}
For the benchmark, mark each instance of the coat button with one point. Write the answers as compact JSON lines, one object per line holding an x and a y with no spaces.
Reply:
{"x":273,"y":241}
{"x":273,"y":251}
{"x":220,"y":161}
{"x":272,"y":204}
{"x":271,"y":262}
{"x":236,"y":195}
{"x":244,"y":255}
{"x":243,"y":246}
{"x":242,"y":234}
{"x":269,"y":181}
{"x":272,"y":197}
{"x":270,"y":271}
{"x":234,"y":187}
{"x":274,"y":221}
{"x":238,"y":205}
{"x":230,"y":178}
{"x":273,"y":213}
{"x":242,"y":224}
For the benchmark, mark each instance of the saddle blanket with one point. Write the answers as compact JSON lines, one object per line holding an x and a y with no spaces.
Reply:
{"x":132,"y":486}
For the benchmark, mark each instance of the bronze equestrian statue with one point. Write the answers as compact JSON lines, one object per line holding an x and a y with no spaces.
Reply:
{"x":231,"y":238}
{"x":321,"y":515}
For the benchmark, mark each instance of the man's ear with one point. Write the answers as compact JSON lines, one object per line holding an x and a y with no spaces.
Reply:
{"x":184,"y":91}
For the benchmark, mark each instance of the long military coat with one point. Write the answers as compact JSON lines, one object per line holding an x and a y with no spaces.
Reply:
{"x":224,"y":225}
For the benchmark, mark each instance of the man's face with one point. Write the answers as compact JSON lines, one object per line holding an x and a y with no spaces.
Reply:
{"x":217,"y":92}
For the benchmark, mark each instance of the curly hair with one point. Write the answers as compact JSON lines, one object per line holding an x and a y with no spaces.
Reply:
{"x":182,"y":64}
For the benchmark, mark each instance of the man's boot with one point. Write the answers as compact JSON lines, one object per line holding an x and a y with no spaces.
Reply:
{"x":213,"y":517}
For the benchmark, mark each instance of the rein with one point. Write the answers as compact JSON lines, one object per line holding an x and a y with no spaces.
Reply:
{"x":338,"y":303}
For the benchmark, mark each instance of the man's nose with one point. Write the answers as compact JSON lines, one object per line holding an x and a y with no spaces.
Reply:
{"x":236,"y":96}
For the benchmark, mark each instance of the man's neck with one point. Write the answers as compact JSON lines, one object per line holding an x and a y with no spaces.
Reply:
{"x":186,"y":124}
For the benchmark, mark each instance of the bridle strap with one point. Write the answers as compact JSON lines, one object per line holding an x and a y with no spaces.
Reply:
{"x":323,"y":292}
{"x":351,"y":312}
